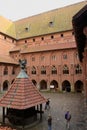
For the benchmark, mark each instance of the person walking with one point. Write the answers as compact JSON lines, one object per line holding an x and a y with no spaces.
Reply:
{"x":68,"y":118}
{"x":47,"y":105}
{"x":49,"y":122}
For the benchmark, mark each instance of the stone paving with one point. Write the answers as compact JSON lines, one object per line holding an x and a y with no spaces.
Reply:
{"x":60,"y":102}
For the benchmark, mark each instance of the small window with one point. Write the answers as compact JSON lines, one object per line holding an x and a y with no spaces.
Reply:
{"x":13,"y":71}
{"x":25,"y":41}
{"x":72,"y":33}
{"x":53,"y":57}
{"x":33,"y":58}
{"x":27,"y":29}
{"x":51,"y":23}
{"x":64,"y":56}
{"x":61,"y":35}
{"x":42,"y":58}
{"x":42,"y":38}
{"x":12,"y":40}
{"x":52,"y":37}
{"x":33,"y":40}
{"x":77,"y":56}
{"x":4,"y":37}
{"x":5,"y":70}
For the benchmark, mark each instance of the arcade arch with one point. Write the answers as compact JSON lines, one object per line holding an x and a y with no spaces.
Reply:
{"x":5,"y":85}
{"x":66,"y":86}
{"x":43,"y":84}
{"x":54,"y":84}
{"x":78,"y":86}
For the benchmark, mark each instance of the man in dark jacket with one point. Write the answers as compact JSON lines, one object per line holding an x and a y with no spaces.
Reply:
{"x":68,"y":118}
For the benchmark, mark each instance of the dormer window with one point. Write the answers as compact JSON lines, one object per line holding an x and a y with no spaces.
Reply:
{"x":27,"y":29}
{"x":51,"y":23}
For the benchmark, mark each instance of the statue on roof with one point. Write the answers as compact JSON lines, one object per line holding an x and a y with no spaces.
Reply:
{"x":22,"y":63}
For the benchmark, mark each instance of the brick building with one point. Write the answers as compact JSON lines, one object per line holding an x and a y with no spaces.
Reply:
{"x":47,"y":43}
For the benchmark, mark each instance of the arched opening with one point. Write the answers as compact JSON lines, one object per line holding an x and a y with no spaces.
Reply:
{"x":5,"y":85}
{"x":43,"y":85}
{"x":34,"y":82}
{"x":65,"y":69}
{"x":54,"y":85}
{"x":53,"y":70}
{"x":78,"y":86}
{"x":43,"y":70}
{"x":66,"y":86}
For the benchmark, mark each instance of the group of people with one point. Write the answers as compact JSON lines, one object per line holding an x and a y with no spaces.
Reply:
{"x":67,"y":116}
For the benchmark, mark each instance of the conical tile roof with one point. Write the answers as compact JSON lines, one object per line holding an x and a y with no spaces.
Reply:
{"x":22,"y":94}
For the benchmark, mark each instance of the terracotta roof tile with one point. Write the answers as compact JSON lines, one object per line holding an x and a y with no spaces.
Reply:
{"x":39,"y":24}
{"x":22,"y":95}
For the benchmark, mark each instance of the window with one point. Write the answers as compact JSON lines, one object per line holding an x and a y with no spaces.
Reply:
{"x":78,"y":69}
{"x":51,"y":23}
{"x":26,"y":29}
{"x":43,"y":70}
{"x":76,"y":56}
{"x":54,"y":70}
{"x":72,"y":33}
{"x":5,"y":70}
{"x":13,"y":40}
{"x":53,"y":57}
{"x":42,"y":38}
{"x":52,"y":37}
{"x":33,"y":40}
{"x":33,"y":71}
{"x":4,"y":37}
{"x":42,"y":58}
{"x":65,"y":69}
{"x":25,"y":41}
{"x":61,"y":35}
{"x":33,"y":58}
{"x":13,"y":71}
{"x":64,"y":56}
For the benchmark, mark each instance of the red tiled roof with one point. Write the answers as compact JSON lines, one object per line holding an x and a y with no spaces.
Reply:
{"x":22,"y":94}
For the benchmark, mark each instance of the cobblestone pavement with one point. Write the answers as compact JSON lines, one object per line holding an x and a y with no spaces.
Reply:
{"x":60,"y":102}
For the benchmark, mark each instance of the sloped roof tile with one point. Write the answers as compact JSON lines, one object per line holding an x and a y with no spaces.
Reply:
{"x":22,"y":94}
{"x":39,"y":24}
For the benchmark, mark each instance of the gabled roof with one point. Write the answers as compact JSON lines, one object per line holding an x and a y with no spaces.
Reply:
{"x":22,"y":94}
